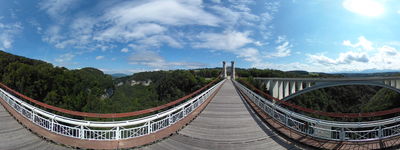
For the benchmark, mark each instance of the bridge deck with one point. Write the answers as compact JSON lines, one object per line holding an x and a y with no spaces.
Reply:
{"x":226,"y":123}
{"x":14,"y":136}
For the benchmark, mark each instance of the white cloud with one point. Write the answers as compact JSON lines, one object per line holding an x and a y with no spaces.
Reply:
{"x":383,"y":58}
{"x":258,"y":43}
{"x":228,"y":40}
{"x":8,"y":33}
{"x":129,"y":32}
{"x":249,"y":54}
{"x":283,"y":49}
{"x":65,"y":58}
{"x":370,"y":8}
{"x":362,"y":43}
{"x":158,"y":40}
{"x":154,"y":60}
{"x":99,"y":57}
{"x":344,"y":58}
{"x":136,"y":22}
{"x":184,"y":13}
{"x":149,"y":25}
{"x":232,"y":17}
{"x":124,"y":50}
{"x":56,"y":8}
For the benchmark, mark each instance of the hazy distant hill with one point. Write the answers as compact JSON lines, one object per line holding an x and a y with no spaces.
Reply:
{"x":118,"y":75}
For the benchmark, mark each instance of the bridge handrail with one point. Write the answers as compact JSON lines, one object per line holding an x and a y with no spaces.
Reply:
{"x":330,"y":79}
{"x":83,"y":129}
{"x":328,"y":114}
{"x":348,"y":131}
{"x":107,"y":115}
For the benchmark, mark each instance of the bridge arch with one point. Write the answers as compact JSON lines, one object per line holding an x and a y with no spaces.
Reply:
{"x":334,"y":84}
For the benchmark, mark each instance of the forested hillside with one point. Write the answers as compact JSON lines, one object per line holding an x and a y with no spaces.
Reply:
{"x":90,"y":90}
{"x":350,"y":99}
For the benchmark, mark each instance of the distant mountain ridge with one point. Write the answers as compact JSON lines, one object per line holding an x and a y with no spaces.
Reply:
{"x":118,"y":75}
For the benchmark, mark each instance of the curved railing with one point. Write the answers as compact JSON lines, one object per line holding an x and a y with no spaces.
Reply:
{"x":111,"y":115}
{"x":333,"y":84}
{"x":97,"y":130}
{"x":322,"y":113}
{"x":324,"y":129}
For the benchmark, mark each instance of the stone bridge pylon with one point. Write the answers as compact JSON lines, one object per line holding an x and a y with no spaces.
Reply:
{"x":232,"y":70}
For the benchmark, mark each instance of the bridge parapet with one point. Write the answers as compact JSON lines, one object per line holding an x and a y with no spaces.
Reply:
{"x":287,"y":88}
{"x":109,"y":135}
{"x":324,"y":129}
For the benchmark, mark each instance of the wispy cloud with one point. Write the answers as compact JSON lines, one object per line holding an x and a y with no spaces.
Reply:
{"x":128,"y":22}
{"x":149,"y":25}
{"x":153,"y":59}
{"x":283,"y":49}
{"x":8,"y":33}
{"x":56,"y":8}
{"x":362,"y":43}
{"x":99,"y":57}
{"x":64,"y":58}
{"x":124,"y":50}
{"x":344,"y":58}
{"x":228,"y":40}
{"x":382,"y":57}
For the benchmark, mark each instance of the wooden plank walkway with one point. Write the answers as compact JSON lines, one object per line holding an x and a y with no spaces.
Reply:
{"x":14,"y":136}
{"x":226,"y":123}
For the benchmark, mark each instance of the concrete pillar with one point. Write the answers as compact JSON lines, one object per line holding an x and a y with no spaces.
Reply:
{"x":393,"y":83}
{"x":292,"y":87}
{"x":299,"y":85}
{"x":308,"y":84}
{"x":397,"y":84}
{"x":280,"y":87}
{"x":274,"y":88}
{"x":268,"y":84}
{"x":233,"y":70}
{"x":224,"y":69}
{"x":286,"y":88}
{"x":386,"y":82}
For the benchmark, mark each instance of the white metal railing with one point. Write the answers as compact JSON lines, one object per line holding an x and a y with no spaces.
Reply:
{"x":97,"y":130}
{"x":324,"y":129}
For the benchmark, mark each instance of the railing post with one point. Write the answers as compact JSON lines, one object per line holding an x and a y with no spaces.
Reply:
{"x":286,"y":120}
{"x":342,"y":134}
{"x":273,"y":110}
{"x":82,"y":136}
{"x":380,"y":132}
{"x":170,"y":119}
{"x":117,"y":134}
{"x":52,"y":124}
{"x":33,"y":115}
{"x":149,"y":127}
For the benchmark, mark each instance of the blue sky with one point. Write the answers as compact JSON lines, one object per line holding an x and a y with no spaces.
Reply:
{"x":132,"y":36}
